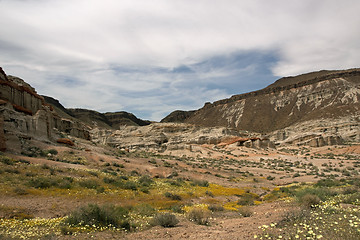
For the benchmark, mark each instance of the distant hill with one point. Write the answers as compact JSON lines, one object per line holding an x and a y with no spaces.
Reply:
{"x":289,"y":100}
{"x":93,"y":118}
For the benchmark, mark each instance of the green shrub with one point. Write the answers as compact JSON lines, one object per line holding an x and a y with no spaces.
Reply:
{"x":165,"y":220}
{"x":105,"y":215}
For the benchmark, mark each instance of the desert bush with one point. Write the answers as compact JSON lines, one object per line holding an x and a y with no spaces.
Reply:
{"x":20,"y":191}
{"x":322,"y":192}
{"x":352,"y":198}
{"x":89,"y":183}
{"x":32,"y":152}
{"x":350,"y":190}
{"x":42,"y":182}
{"x":47,"y":182}
{"x":118,"y":165}
{"x":165,"y":220}
{"x":12,"y":170}
{"x":173,"y":196}
{"x":6,"y":160}
{"x":130,"y":185}
{"x":177,"y":208}
{"x":66,"y":230}
{"x":145,"y":180}
{"x":105,"y":215}
{"x":144,"y":209}
{"x":215,"y":208}
{"x":199,"y":216}
{"x":245,"y":211}
{"x":109,"y":180}
{"x":201,"y":183}
{"x":309,"y":200}
{"x":210,"y":194}
{"x":247,"y":199}
{"x":328,"y":183}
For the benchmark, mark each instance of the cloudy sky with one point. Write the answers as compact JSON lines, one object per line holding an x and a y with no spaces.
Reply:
{"x":153,"y":57}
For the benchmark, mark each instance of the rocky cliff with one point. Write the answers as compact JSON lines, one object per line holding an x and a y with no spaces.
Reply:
{"x":25,"y":115}
{"x":324,"y":95}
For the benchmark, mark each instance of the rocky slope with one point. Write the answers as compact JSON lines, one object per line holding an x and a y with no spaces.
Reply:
{"x":322,"y":98}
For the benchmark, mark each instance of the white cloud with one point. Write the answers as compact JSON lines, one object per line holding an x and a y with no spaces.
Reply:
{"x":123,"y":51}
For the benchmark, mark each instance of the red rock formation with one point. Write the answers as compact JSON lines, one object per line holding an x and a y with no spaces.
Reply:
{"x":65,"y":141}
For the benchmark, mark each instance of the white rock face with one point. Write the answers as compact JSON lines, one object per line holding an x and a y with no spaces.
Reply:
{"x":320,"y":132}
{"x":171,"y":136}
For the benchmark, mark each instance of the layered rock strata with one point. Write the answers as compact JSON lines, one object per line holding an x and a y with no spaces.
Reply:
{"x":25,"y":115}
{"x":171,"y":136}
